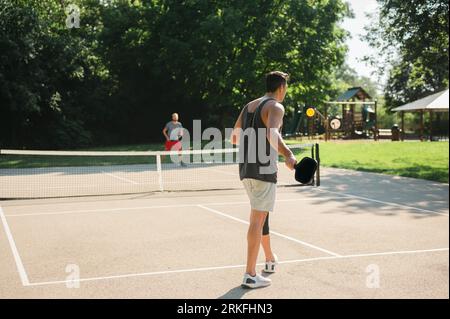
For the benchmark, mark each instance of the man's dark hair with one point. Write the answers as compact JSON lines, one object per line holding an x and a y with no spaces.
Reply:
{"x":275,"y":79}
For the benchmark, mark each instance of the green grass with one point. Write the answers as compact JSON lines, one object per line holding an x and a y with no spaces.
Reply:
{"x":422,"y":160}
{"x":34,"y":161}
{"x":37,"y":161}
{"x":131,"y":147}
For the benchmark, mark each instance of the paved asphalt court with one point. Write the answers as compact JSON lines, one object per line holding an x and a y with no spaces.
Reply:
{"x":359,"y":235}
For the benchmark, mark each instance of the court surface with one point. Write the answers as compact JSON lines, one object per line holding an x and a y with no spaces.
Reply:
{"x":358,"y":235}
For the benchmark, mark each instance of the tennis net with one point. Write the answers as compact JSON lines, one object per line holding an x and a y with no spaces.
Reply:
{"x":45,"y":174}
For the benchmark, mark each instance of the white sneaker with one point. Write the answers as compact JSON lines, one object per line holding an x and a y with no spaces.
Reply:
{"x":256,"y":281}
{"x":270,"y":265}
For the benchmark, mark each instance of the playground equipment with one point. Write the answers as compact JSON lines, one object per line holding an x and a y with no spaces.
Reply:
{"x":301,"y":125}
{"x":357,"y":119}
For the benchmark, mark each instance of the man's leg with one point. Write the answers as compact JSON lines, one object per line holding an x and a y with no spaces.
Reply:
{"x":265,"y":241}
{"x":254,"y":235}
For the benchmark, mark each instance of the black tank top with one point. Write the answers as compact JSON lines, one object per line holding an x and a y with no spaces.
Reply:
{"x":250,"y":168}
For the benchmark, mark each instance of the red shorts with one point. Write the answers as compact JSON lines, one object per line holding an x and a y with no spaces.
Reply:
{"x":173,"y":146}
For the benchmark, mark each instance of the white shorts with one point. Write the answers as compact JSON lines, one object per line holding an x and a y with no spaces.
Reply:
{"x":261,"y":194}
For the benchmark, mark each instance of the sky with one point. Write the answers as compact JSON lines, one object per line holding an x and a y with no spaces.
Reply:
{"x":357,"y":48}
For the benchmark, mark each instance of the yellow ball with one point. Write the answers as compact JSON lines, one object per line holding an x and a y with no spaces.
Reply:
{"x":310,"y":112}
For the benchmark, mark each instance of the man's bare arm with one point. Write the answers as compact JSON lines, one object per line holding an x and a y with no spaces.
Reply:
{"x":235,"y":134}
{"x":164,"y":131}
{"x":274,"y":123}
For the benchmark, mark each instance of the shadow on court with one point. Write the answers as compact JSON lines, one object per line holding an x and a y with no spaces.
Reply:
{"x":239,"y":291}
{"x":423,"y":197}
{"x":235,"y":293}
{"x":143,"y":246}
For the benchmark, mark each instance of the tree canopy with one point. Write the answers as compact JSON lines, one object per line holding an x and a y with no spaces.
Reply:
{"x":117,"y":78}
{"x":412,"y":38}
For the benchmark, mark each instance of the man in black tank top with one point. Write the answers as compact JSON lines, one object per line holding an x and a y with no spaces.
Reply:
{"x":257,"y":131}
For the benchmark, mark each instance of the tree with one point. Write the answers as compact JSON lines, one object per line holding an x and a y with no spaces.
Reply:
{"x":206,"y":59}
{"x":118,"y":77}
{"x":412,"y":37}
{"x":346,"y":77}
{"x":50,"y":81}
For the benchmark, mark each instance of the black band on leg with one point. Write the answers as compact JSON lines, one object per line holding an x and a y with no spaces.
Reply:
{"x":266,"y":226}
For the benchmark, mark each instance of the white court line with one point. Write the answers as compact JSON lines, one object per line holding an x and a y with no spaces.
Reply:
{"x":314,"y":188}
{"x":199,"y":182}
{"x":99,"y":210}
{"x":386,"y":253}
{"x":50,"y":187}
{"x":281,"y":182}
{"x":381,"y":202}
{"x":120,"y":178}
{"x":374,"y":200}
{"x":272,"y":232}
{"x":115,"y":176}
{"x":180,"y":271}
{"x":222,"y":172}
{"x":20,"y":268}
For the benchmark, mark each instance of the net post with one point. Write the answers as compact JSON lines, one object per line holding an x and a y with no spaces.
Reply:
{"x":159,"y":170}
{"x":318,"y":165}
